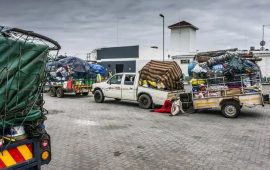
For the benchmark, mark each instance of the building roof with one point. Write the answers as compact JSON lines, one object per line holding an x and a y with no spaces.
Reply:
{"x":183,"y":24}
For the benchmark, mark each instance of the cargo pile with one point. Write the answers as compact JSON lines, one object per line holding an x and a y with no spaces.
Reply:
{"x":164,"y":75}
{"x":70,"y":70}
{"x":226,"y":74}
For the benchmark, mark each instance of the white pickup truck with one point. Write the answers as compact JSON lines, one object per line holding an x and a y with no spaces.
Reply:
{"x":125,"y":86}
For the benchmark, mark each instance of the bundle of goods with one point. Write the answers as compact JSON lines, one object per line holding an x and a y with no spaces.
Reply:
{"x":228,"y":72}
{"x":166,"y":75}
{"x":23,"y":60}
{"x":70,"y":69}
{"x":97,"y":69}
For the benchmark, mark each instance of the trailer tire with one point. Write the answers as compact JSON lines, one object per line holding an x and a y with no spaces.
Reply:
{"x":85,"y":93}
{"x":59,"y":92}
{"x":99,"y":96}
{"x":230,"y":109}
{"x":52,"y":92}
{"x":145,"y":101}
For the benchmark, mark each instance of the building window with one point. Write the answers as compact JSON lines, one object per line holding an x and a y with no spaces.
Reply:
{"x":185,"y":61}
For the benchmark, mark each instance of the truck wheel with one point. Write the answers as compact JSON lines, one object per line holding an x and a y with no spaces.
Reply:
{"x":52,"y":92}
{"x":145,"y":101}
{"x":99,"y":97}
{"x":59,"y":92}
{"x":85,"y":94}
{"x":230,"y":109}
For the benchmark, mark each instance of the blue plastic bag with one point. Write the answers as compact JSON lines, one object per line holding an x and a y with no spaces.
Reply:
{"x":98,"y":69}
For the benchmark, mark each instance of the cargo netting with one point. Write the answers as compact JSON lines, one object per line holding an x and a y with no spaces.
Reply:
{"x":23,"y":58}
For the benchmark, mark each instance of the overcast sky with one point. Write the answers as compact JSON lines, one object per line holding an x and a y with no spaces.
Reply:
{"x":83,"y":25}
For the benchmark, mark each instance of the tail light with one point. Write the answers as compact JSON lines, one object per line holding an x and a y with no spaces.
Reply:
{"x":45,"y":148}
{"x":44,"y":143}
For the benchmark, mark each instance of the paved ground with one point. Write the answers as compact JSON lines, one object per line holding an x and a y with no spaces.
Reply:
{"x":120,"y":135}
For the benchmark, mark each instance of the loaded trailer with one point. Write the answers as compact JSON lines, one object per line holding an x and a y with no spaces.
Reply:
{"x":216,"y":94}
{"x":77,"y":87}
{"x":69,"y":75}
{"x":24,"y":142}
{"x":225,"y":80}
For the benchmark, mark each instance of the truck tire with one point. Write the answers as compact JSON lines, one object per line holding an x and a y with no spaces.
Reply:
{"x":99,"y":96}
{"x":145,"y":101}
{"x":230,"y":109}
{"x":59,"y":92}
{"x":52,"y":92}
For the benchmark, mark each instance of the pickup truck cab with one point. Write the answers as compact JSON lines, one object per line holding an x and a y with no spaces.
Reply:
{"x":125,"y":86}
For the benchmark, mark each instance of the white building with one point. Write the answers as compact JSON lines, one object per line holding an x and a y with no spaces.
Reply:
{"x":133,"y":58}
{"x":265,"y":63}
{"x":183,"y":37}
{"x":183,"y":44}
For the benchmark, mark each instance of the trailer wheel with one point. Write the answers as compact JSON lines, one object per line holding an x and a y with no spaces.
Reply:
{"x":85,"y":94}
{"x":52,"y":92}
{"x":99,"y":96}
{"x":145,"y":101}
{"x":59,"y":92}
{"x":230,"y":109}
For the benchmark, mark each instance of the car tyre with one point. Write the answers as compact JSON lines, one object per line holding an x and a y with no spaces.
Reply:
{"x":99,"y":96}
{"x":145,"y":101}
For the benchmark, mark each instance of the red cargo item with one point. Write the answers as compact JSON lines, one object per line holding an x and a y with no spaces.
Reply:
{"x":69,"y":84}
{"x":166,"y":107}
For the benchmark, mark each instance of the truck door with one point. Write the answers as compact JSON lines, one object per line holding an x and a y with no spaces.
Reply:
{"x":114,"y":87}
{"x":128,"y":87}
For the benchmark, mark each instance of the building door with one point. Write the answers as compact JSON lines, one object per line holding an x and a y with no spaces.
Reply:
{"x":119,"y":68}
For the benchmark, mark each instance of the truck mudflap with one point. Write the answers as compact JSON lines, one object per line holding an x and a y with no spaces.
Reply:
{"x":16,"y":155}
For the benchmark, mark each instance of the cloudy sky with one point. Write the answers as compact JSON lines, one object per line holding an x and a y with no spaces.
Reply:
{"x":83,"y":25}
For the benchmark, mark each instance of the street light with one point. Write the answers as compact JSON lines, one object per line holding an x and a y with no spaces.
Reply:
{"x":162,"y":16}
{"x":262,"y":43}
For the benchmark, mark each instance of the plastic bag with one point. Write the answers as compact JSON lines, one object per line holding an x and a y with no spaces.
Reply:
{"x":199,"y":69}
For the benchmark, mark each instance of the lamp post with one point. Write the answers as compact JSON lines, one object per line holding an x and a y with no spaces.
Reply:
{"x":162,"y":16}
{"x":262,"y":43}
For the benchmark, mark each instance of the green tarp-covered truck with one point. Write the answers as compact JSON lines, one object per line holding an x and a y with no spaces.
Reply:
{"x":24,"y":142}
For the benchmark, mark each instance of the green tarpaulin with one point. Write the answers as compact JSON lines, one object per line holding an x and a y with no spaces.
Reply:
{"x":22,"y":66}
